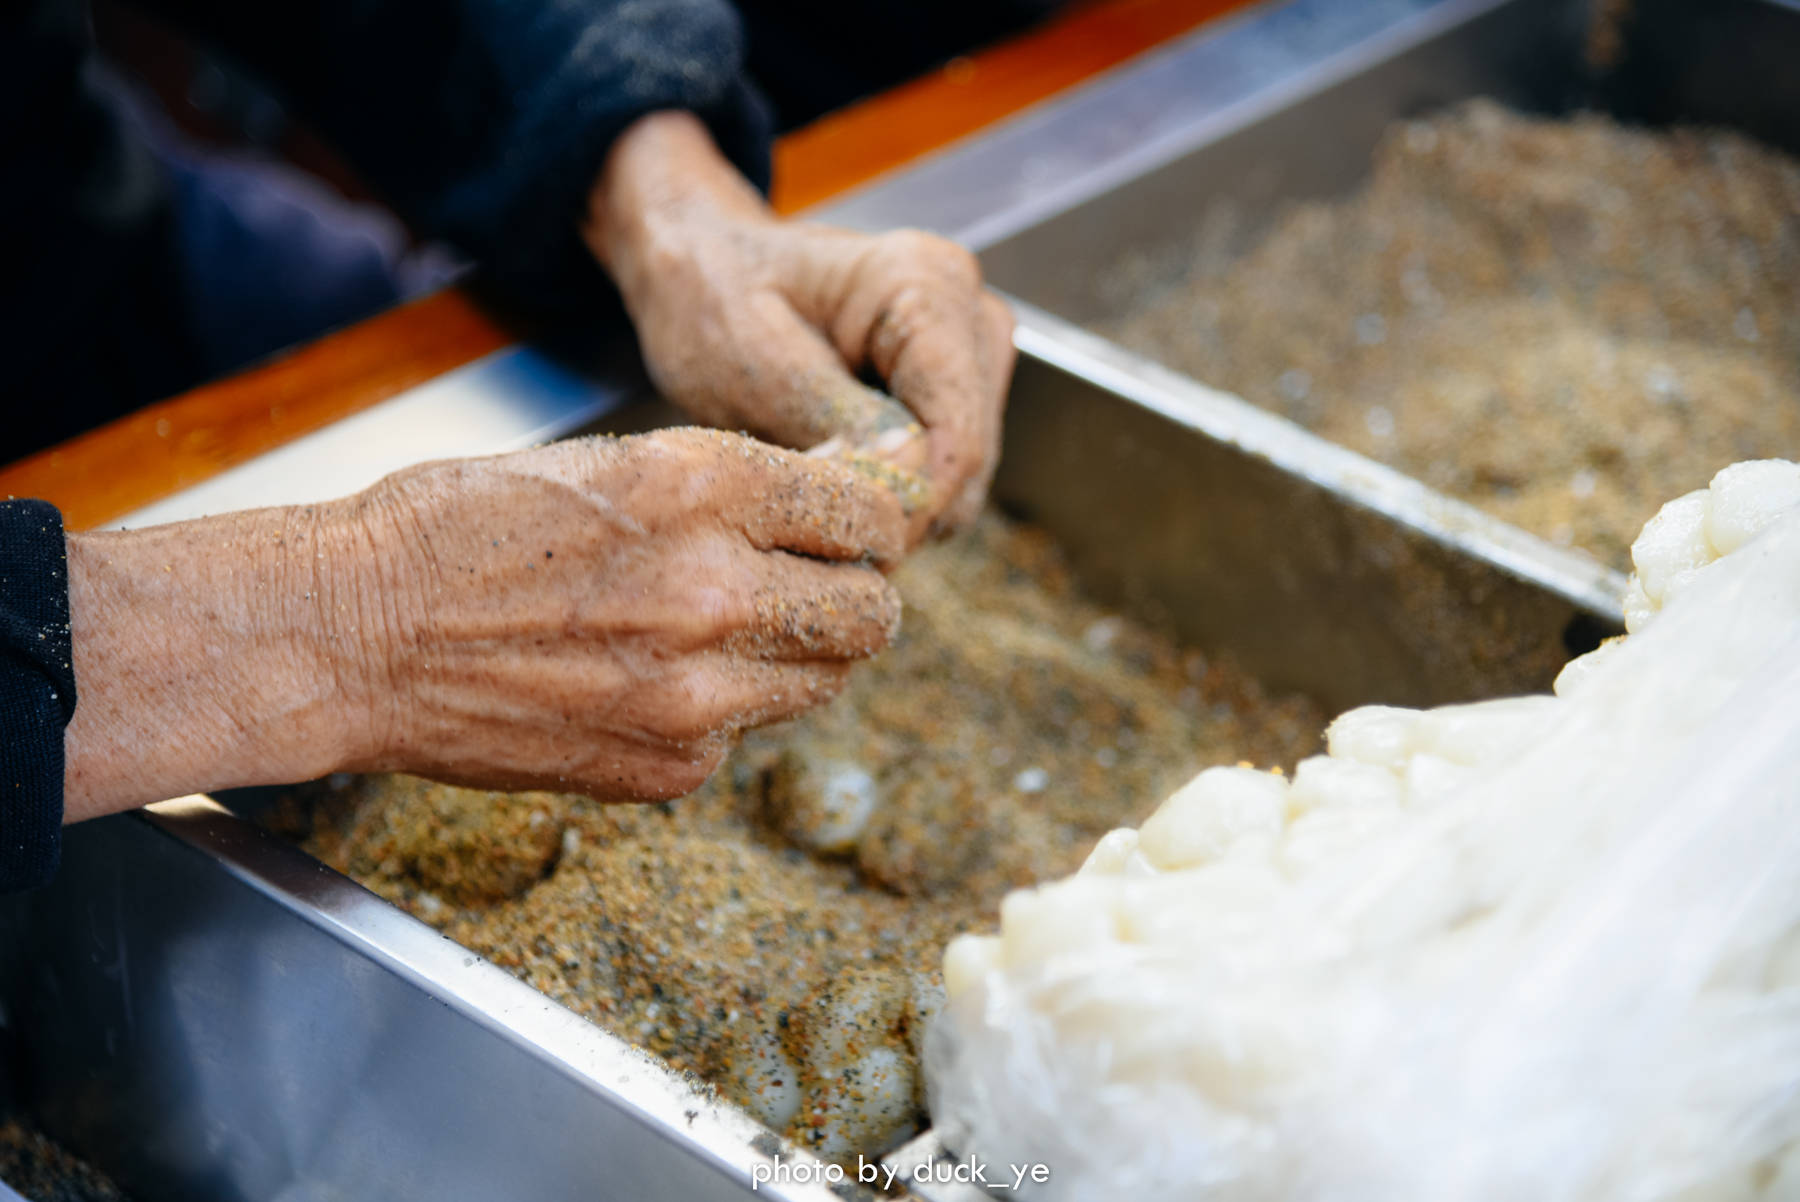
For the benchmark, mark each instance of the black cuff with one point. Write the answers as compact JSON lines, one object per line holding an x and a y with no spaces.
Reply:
{"x":37,"y":690}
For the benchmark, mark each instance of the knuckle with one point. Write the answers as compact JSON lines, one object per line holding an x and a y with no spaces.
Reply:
{"x":668,"y":260}
{"x":960,"y":265}
{"x":677,"y":444}
{"x":936,"y":256}
{"x":717,"y":610}
{"x":693,"y":712}
{"x":909,"y":309}
{"x":961,"y":459}
{"x":908,"y":245}
{"x":397,"y":484}
{"x":683,"y":473}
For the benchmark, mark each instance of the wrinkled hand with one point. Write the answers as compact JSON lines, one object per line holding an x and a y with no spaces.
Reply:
{"x":604,"y":615}
{"x":599,"y":616}
{"x":752,"y":323}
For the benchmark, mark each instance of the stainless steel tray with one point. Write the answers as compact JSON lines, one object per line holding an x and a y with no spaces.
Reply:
{"x":1288,"y":102}
{"x":207,"y":1012}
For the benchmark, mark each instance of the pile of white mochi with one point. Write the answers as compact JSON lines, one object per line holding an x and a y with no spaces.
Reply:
{"x":1529,"y":950}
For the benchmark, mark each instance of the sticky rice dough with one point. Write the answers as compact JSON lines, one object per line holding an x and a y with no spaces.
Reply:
{"x":1541,"y":947}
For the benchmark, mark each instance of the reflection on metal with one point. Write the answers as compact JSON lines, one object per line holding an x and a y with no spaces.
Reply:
{"x":1309,"y":135}
{"x":1353,"y":478}
{"x":1314,"y":568}
{"x":1144,"y":115}
{"x":210,"y":1013}
{"x":511,"y":399}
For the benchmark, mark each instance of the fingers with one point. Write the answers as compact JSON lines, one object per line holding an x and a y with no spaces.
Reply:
{"x":812,"y":506}
{"x":723,"y":694}
{"x":653,"y":775}
{"x":819,"y":611}
{"x":687,"y":733}
{"x":608,"y":613}
{"x":777,"y":499}
{"x":659,"y":774}
{"x":787,"y":384}
{"x":762,"y":326}
{"x":640,"y":773}
{"x":896,"y":438}
{"x":933,"y":359}
{"x":997,"y":347}
{"x":915,"y":311}
{"x":999,"y":355}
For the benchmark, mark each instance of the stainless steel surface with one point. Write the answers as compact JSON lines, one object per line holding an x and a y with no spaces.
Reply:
{"x":1017,"y":177}
{"x":1317,"y":568}
{"x":1154,"y":112}
{"x":513,"y":398}
{"x":1287,"y":100}
{"x":209,"y":1013}
{"x":1308,"y":134}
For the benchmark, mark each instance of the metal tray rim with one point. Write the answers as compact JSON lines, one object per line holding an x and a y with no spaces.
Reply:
{"x":1350,"y":475}
{"x":661,"y":1100}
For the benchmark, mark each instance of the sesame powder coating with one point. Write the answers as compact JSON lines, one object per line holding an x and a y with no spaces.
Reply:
{"x":778,"y":932}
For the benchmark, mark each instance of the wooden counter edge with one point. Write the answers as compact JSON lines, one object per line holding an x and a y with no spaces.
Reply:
{"x":106,"y":473}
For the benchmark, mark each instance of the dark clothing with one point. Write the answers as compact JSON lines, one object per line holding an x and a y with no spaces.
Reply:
{"x":243,"y":219}
{"x":37,"y":690}
{"x":812,"y":56}
{"x":136,"y":270}
{"x":482,"y":122}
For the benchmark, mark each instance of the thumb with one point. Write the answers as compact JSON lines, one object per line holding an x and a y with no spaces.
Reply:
{"x":800,"y":394}
{"x":896,"y":453}
{"x":794,"y":388}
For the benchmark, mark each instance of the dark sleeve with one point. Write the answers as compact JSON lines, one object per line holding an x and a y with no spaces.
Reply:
{"x":37,"y":690}
{"x":90,"y":331}
{"x":485,"y":122}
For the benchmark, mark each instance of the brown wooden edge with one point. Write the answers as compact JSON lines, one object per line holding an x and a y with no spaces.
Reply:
{"x":106,"y":473}
{"x":853,"y":146}
{"x":126,"y":464}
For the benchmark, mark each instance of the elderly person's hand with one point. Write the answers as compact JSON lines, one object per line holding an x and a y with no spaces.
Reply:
{"x":599,"y":616}
{"x":749,"y":322}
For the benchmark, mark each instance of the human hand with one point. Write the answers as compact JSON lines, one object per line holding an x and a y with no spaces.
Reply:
{"x":749,"y":322}
{"x":600,"y":616}
{"x":605,"y":615}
